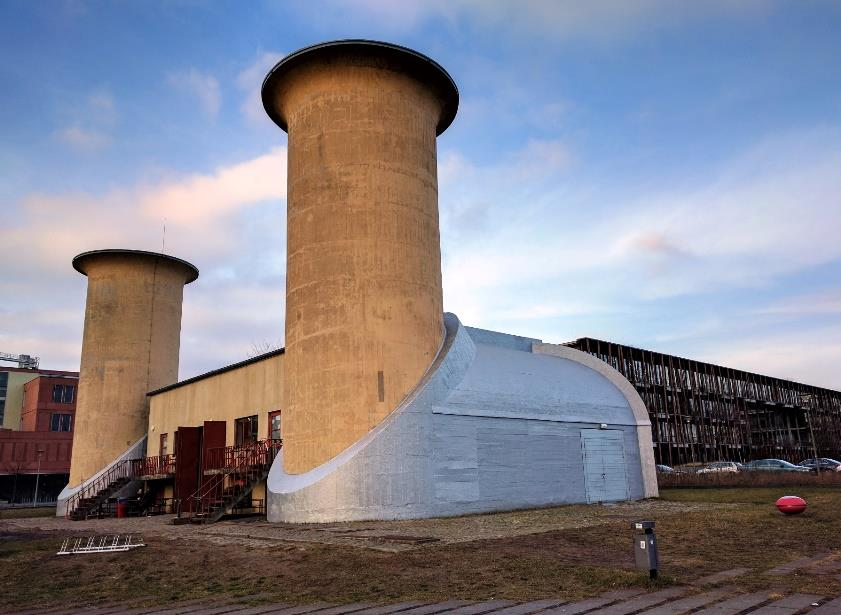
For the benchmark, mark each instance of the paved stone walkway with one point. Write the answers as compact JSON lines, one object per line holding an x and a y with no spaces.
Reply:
{"x":671,"y":601}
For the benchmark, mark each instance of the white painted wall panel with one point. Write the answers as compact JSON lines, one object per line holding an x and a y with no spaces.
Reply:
{"x":492,"y":427}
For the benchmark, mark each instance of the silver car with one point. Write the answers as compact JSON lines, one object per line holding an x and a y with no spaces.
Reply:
{"x":774,"y":465}
{"x":719,"y":466}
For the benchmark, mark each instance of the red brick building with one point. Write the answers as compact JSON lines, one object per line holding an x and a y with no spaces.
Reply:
{"x":41,"y":447}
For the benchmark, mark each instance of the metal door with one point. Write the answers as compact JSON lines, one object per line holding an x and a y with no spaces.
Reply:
{"x":603,"y":451}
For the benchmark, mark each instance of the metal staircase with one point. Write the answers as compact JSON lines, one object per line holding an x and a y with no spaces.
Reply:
{"x":230,"y":475}
{"x":92,"y":499}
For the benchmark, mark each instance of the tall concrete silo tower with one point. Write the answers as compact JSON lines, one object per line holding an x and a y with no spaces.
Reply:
{"x":130,"y":347}
{"x":363,"y":291}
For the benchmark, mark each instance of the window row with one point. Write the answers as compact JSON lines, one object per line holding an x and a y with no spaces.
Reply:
{"x":61,"y":422}
{"x":64,"y":393}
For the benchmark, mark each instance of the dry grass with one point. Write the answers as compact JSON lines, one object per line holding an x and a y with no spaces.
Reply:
{"x":572,"y":563}
{"x":27,"y":512}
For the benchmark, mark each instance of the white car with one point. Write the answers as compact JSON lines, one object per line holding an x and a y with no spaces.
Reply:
{"x":719,"y":466}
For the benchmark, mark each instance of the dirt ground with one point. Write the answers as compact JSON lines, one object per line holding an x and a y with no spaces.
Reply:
{"x":569,"y":551}
{"x":389,"y":536}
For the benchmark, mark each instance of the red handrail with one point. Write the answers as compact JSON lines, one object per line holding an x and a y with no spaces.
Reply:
{"x":155,"y":466}
{"x":121,"y":469}
{"x":243,"y":461}
{"x":229,"y":457}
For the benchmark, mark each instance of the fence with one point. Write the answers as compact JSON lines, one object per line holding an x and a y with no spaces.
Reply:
{"x":714,"y":480}
{"x":159,"y":465}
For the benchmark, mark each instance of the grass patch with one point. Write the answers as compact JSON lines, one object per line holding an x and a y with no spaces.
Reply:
{"x":27,"y":513}
{"x":744,"y":531}
{"x":741,"y":495}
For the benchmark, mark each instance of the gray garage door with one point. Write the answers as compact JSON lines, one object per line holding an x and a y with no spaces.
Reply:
{"x":604,"y":465}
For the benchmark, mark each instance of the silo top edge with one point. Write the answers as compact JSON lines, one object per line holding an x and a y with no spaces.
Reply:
{"x":445,"y":81}
{"x":80,"y":259}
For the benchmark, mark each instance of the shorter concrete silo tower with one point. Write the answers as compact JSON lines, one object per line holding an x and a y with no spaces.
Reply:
{"x":130,"y":347}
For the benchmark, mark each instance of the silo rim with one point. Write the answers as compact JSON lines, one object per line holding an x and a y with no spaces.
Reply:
{"x":450,"y":106}
{"x":78,"y":260}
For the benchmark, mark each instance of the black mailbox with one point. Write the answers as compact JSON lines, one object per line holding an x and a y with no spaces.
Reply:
{"x":645,"y":547}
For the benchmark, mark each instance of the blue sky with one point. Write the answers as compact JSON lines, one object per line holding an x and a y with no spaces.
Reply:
{"x":663,"y":174}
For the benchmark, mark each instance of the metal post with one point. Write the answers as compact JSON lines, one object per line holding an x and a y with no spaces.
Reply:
{"x":645,"y":548}
{"x":814,"y":447}
{"x":37,"y":477}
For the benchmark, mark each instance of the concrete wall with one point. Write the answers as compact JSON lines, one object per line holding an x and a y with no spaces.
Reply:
{"x":255,"y":388}
{"x":14,"y":398}
{"x":129,"y":347}
{"x":363,"y":286}
{"x":448,"y":451}
{"x":645,"y":443}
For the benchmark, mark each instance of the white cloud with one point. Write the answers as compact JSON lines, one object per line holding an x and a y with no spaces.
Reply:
{"x":811,"y":356}
{"x":229,"y":222}
{"x":827,"y":302}
{"x":202,"y":199}
{"x":250,"y":80}
{"x":769,"y":212}
{"x":82,"y":138}
{"x":204,"y":87}
{"x":557,"y":20}
{"x":93,"y":120}
{"x":102,"y":107}
{"x":518,"y":239}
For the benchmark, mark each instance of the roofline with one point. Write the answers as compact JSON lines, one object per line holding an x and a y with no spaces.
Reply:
{"x":449,"y":89}
{"x":54,"y":373}
{"x":78,"y":260}
{"x":216,"y":372}
{"x":697,"y":362}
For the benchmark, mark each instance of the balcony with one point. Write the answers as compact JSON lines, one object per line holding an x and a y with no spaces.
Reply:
{"x":231,"y":459}
{"x":155,"y":468}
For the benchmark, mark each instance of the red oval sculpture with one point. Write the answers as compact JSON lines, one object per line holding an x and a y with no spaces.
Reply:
{"x":791,"y":505}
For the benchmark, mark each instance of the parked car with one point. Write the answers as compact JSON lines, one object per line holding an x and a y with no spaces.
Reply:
{"x":826,"y":463}
{"x":774,"y":465}
{"x":719,"y":466}
{"x":664,"y":469}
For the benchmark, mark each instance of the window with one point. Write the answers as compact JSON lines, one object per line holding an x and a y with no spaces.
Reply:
{"x":61,"y":422}
{"x":164,"y":445}
{"x":63,"y":393}
{"x":274,"y":425}
{"x":245,"y":430}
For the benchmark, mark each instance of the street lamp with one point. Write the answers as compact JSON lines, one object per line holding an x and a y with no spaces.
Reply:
{"x":37,"y":477}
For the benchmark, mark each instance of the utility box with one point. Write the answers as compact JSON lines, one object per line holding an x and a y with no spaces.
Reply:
{"x":645,"y":547}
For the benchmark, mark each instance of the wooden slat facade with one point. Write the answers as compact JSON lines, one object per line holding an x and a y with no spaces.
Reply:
{"x":702,"y":412}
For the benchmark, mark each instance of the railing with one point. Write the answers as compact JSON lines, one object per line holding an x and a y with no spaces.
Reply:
{"x":226,"y":458}
{"x":160,"y":465}
{"x":231,"y":472}
{"x":163,"y":506}
{"x":254,"y":507}
{"x":120,"y":470}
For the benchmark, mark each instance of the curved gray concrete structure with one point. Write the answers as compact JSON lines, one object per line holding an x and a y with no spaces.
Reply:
{"x":496,"y":423}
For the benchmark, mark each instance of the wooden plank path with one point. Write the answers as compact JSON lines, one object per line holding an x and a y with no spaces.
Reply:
{"x":670,"y":601}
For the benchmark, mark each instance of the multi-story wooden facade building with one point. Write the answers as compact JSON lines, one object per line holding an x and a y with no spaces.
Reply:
{"x":703,"y":412}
